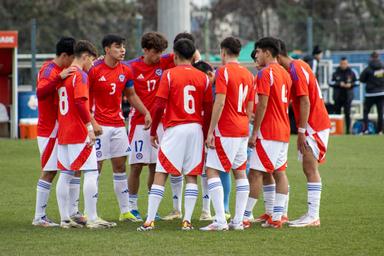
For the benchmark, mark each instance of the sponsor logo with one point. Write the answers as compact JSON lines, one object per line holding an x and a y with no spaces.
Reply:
{"x":7,"y":39}
{"x":140,"y":77}
{"x":99,"y":154}
{"x":121,"y":78}
{"x":125,"y":191}
{"x":159,"y":71}
{"x":139,"y":156}
{"x":32,"y":102}
{"x":102,"y":79}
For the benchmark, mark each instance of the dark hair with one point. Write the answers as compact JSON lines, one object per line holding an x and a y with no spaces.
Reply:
{"x":316,"y":50}
{"x":343,"y":58}
{"x":154,"y":40}
{"x":375,"y":55}
{"x":253,"y":55}
{"x":184,"y":48}
{"x":108,"y":40}
{"x":184,"y":35}
{"x":203,"y":66}
{"x":268,"y":44}
{"x":232,"y":45}
{"x":65,"y":45}
{"x":84,"y":46}
{"x":282,"y":48}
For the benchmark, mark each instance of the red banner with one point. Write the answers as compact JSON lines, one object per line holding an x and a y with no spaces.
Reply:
{"x":8,"y":39}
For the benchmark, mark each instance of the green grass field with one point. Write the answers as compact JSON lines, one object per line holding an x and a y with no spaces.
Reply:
{"x":351,"y":213}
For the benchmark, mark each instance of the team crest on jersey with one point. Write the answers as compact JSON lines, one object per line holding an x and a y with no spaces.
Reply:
{"x":99,"y":154}
{"x":139,"y":156}
{"x":159,"y":71}
{"x":121,"y":78}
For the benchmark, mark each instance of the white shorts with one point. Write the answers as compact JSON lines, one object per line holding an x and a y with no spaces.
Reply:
{"x":140,"y":147}
{"x":182,"y":150}
{"x":318,"y":142}
{"x":230,"y":153}
{"x":269,"y":155}
{"x":76,"y":157}
{"x":48,"y":150}
{"x":112,"y":143}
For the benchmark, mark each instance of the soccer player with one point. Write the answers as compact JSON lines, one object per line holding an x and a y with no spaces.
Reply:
{"x":76,"y":138}
{"x":109,"y":78}
{"x":313,"y":131}
{"x":50,"y":75}
{"x":271,"y":129}
{"x":228,"y":134}
{"x":147,"y":71}
{"x":185,"y":93}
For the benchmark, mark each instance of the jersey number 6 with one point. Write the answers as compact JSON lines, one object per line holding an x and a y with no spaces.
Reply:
{"x":189,"y":101}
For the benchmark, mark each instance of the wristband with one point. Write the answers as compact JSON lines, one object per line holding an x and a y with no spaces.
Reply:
{"x":90,"y":128}
{"x":301,"y":130}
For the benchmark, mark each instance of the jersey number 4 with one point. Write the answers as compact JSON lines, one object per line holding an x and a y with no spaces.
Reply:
{"x":243,"y":92}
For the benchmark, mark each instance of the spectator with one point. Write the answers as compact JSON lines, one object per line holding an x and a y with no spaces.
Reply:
{"x":343,"y":81}
{"x":373,"y":77}
{"x":314,"y":59}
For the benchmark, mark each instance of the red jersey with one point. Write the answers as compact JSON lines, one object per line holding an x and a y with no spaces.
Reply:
{"x":72,"y":130}
{"x":47,"y":107}
{"x":274,"y":81}
{"x":106,"y":87}
{"x":305,"y":84}
{"x":146,"y":79}
{"x":236,"y":82}
{"x":185,"y":89}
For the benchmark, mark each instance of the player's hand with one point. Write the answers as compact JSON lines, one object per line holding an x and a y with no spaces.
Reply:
{"x":92,"y":138}
{"x":302,"y":143}
{"x":66,"y":72}
{"x":155,"y":141}
{"x":101,"y":57}
{"x":148,"y":121}
{"x":252,"y":141}
{"x":348,"y":85}
{"x":97,"y":129}
{"x":210,"y":141}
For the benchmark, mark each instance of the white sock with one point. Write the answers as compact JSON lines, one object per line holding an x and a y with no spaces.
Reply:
{"x":269,"y":192}
{"x":278,"y":206}
{"x":62,"y":193}
{"x":314,"y":195}
{"x":154,"y":199}
{"x":74,"y":195}
{"x":216,"y":194}
{"x":133,"y":202}
{"x":285,"y":213}
{"x":249,"y":208}
{"x":120,"y":185}
{"x":242,"y":193}
{"x":190,"y":197}
{"x":42,"y":196}
{"x":90,"y":191}
{"x":177,"y":191}
{"x":204,"y":191}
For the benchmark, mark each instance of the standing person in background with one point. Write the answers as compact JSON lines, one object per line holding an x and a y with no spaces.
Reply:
{"x":314,"y":60}
{"x":343,"y":81}
{"x":373,"y":77}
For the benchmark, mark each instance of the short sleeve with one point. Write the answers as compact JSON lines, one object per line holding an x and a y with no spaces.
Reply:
{"x":264,"y":82}
{"x":300,"y":79}
{"x":129,"y":77}
{"x":208,"y":93}
{"x":167,"y":61}
{"x":221,"y":81}
{"x":165,"y":83}
{"x":80,"y":86}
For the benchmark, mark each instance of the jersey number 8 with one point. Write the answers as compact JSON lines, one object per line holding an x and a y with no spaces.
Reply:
{"x":63,"y":101}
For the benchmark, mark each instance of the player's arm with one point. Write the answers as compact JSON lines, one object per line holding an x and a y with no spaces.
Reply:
{"x":207,"y":108}
{"x":303,"y":120}
{"x":259,"y":116}
{"x":157,"y":114}
{"x":218,"y":107}
{"x":48,"y":86}
{"x":96,"y":127}
{"x":136,"y":102}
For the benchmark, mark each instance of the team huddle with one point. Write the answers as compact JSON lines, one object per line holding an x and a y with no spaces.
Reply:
{"x":187,"y":120}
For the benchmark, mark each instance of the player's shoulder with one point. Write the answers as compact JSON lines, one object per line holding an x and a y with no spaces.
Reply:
{"x":48,"y":68}
{"x":132,"y":62}
{"x":97,"y":65}
{"x":265,"y":71}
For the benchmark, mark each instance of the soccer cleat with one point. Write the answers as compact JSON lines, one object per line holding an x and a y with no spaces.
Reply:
{"x":174,"y":214}
{"x":128,"y":216}
{"x":205,"y":216}
{"x":147,"y":226}
{"x":186,"y":225}
{"x":215,"y":226}
{"x":272,"y":224}
{"x":157,"y":217}
{"x":262,"y":218}
{"x":69,"y":224}
{"x":100,"y":223}
{"x":246,"y":223}
{"x":299,"y":219}
{"x":136,"y":213}
{"x":235,"y":226}
{"x":284,"y":219}
{"x":307,"y":221}
{"x":44,"y":222}
{"x":79,"y":218}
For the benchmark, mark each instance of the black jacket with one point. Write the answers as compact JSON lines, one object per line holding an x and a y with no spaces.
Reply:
{"x":373,"y":77}
{"x":346,"y":76}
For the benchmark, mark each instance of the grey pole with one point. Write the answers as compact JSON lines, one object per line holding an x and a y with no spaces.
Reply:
{"x":173,"y":17}
{"x":309,"y":35}
{"x":33,"y":54}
